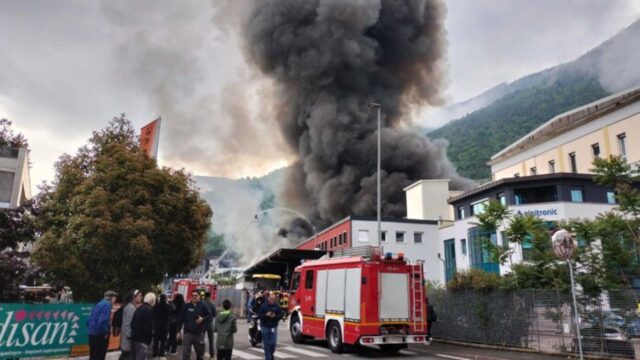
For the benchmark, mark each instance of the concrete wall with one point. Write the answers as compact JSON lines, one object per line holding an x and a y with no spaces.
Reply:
{"x":603,"y":131}
{"x":426,"y":251}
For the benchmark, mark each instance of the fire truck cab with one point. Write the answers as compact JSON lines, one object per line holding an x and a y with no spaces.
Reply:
{"x":366,"y":300}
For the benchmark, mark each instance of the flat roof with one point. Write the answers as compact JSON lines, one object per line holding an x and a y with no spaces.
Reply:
{"x":282,"y":261}
{"x":568,"y":121}
{"x":424,"y":180}
{"x":518,"y":180}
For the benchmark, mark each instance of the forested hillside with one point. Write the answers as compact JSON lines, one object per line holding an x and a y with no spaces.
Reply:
{"x":474,"y":138}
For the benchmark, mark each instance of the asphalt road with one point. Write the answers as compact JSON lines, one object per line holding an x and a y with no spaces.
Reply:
{"x":318,"y":350}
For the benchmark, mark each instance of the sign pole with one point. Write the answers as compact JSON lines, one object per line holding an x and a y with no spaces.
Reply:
{"x":563,"y":246}
{"x":575,"y":308}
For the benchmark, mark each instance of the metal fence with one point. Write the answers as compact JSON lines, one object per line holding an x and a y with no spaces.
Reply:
{"x":539,"y":320}
{"x":237,"y":298}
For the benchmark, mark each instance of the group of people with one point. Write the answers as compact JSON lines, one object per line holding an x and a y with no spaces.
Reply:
{"x":150,"y":326}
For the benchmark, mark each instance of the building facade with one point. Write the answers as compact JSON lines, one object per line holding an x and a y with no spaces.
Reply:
{"x":569,"y":142}
{"x":15,"y":180}
{"x":415,"y":238}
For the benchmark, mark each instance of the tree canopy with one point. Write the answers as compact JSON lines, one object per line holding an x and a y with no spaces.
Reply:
{"x":114,"y":220}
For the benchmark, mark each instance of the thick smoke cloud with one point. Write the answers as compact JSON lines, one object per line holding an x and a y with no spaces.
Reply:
{"x":330,"y":59}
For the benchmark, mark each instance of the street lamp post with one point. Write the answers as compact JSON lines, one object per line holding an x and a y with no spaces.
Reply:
{"x":378,"y":107}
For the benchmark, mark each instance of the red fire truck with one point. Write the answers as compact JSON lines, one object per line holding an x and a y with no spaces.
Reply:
{"x":187,"y":286}
{"x":366,"y":300}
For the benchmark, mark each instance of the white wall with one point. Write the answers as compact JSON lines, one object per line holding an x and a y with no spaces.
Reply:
{"x":427,"y":251}
{"x":427,"y":200}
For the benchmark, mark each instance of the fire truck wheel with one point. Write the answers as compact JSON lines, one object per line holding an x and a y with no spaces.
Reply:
{"x":392,"y":349}
{"x":296,"y":330}
{"x":334,"y":337}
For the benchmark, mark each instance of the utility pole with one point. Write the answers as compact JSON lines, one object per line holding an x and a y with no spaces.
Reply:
{"x":378,"y":210}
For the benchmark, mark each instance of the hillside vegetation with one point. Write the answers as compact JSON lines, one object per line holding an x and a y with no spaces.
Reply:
{"x":474,"y":138}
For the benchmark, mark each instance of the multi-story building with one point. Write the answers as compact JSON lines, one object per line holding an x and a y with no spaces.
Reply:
{"x":569,"y":142}
{"x":415,"y":238}
{"x":15,"y":181}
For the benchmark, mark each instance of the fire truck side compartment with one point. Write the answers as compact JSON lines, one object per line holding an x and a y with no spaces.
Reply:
{"x":392,"y":306}
{"x":352,"y":294}
{"x":321,"y":293}
{"x":335,"y":292}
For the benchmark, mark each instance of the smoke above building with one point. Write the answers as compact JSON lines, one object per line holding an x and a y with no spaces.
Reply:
{"x":329,"y":59}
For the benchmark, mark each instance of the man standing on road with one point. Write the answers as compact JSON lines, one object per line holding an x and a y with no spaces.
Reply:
{"x":99,"y":325}
{"x":270,"y":314}
{"x":226,"y":327}
{"x":193,"y":315}
{"x":132,"y":301}
{"x":209,"y":325}
{"x":142,"y":328}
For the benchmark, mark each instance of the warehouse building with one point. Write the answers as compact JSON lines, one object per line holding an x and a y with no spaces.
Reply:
{"x":15,"y":180}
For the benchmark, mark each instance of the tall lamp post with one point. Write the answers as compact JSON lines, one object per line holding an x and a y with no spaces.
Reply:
{"x":378,"y":107}
{"x":563,"y":246}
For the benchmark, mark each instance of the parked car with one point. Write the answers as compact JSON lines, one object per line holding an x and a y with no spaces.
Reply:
{"x":604,"y":339}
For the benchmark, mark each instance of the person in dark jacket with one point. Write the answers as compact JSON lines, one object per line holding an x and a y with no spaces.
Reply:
{"x":172,"y":344}
{"x":431,"y":318}
{"x":226,"y":327}
{"x":99,"y":324}
{"x":193,"y":316}
{"x":161,"y":318}
{"x":210,"y":324}
{"x":142,"y":328}
{"x":270,"y":315}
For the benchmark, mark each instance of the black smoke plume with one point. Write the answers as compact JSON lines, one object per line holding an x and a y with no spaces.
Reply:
{"x":330,"y":59}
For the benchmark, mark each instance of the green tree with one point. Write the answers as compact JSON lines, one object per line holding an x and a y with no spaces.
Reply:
{"x":113,"y":219}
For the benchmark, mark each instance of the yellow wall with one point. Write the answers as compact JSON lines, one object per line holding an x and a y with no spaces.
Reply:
{"x":606,"y":137}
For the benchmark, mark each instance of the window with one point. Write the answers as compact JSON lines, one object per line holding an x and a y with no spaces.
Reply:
{"x":463,"y":246}
{"x":308,"y":281}
{"x":533,"y":170}
{"x":611,"y":197}
{"x":344,"y":238}
{"x":572,"y":161}
{"x":552,"y":166}
{"x":479,"y":253}
{"x":363,"y":235}
{"x":505,"y":239}
{"x":417,"y":237}
{"x":535,"y":195}
{"x":399,"y":236}
{"x":477,"y":208}
{"x":595,"y":150}
{"x":502,"y":199}
{"x":460,"y":212}
{"x":622,"y":145}
{"x":576,"y":195}
{"x":383,"y":236}
{"x":295,"y":282}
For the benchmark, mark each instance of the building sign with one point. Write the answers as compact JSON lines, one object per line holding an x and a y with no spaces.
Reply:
{"x":149,"y":138}
{"x":38,"y":330}
{"x":539,"y":212}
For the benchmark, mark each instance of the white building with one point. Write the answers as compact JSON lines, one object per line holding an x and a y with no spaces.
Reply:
{"x":15,"y":181}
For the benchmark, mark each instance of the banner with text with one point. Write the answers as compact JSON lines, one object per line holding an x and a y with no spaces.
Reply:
{"x":38,"y":330}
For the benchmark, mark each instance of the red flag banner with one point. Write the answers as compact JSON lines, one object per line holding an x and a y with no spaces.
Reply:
{"x":149,"y":138}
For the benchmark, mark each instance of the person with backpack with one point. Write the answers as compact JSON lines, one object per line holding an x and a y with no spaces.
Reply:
{"x":226,"y":327}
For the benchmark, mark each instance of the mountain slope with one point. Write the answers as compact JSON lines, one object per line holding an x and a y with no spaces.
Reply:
{"x":530,"y":101}
{"x":474,"y":138}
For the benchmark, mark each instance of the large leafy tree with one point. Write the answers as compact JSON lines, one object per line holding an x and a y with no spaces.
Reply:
{"x":113,"y":219}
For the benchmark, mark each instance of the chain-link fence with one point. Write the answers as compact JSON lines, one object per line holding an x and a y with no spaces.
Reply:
{"x":540,"y":320}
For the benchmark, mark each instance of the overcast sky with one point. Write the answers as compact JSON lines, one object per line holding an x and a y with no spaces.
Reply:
{"x":67,"y":67}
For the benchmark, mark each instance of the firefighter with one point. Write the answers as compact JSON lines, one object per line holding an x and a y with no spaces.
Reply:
{"x":284,"y":304}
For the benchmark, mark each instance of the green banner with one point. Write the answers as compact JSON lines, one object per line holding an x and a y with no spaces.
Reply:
{"x":37,"y":330}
